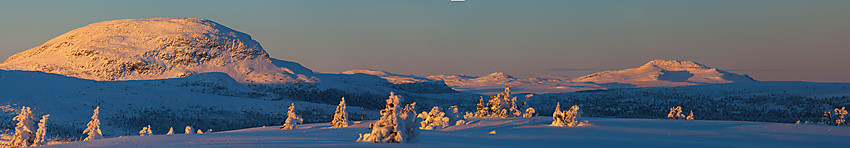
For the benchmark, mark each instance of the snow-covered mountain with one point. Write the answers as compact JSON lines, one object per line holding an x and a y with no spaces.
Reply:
{"x":664,"y":73}
{"x":156,"y":48}
{"x":655,"y":73}
{"x":495,"y":82}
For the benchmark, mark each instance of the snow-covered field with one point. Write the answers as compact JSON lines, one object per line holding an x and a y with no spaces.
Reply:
{"x":516,"y":132}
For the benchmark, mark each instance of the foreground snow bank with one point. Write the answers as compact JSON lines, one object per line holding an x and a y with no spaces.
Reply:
{"x":516,"y":132}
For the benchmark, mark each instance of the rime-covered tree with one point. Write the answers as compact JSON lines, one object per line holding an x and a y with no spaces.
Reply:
{"x":188,"y":130}
{"x":340,"y":116}
{"x":482,"y":109}
{"x":392,"y":126}
{"x":529,"y":112}
{"x":93,"y":128}
{"x":434,"y":119}
{"x":146,"y":131}
{"x":24,"y":130}
{"x":568,"y":118}
{"x":41,"y":133}
{"x":690,"y":116}
{"x":170,"y":131}
{"x":408,"y":124}
{"x":454,"y":115}
{"x":292,"y":119}
{"x":839,"y":116}
{"x":675,"y":113}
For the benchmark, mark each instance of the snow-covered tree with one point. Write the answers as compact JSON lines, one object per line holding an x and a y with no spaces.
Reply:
{"x":170,"y":131}
{"x":529,"y":112}
{"x":468,"y":115}
{"x":93,"y":129}
{"x":568,"y":118}
{"x":395,"y":125}
{"x":460,"y":122}
{"x":690,"y":116}
{"x":41,"y":133}
{"x":454,"y":115}
{"x":675,"y":113}
{"x":434,"y":119}
{"x":24,"y":130}
{"x":482,"y":110}
{"x":340,"y":116}
{"x":409,"y":125}
{"x":146,"y":131}
{"x":188,"y":130}
{"x":292,"y":119}
{"x":827,"y":118}
{"x":839,"y":116}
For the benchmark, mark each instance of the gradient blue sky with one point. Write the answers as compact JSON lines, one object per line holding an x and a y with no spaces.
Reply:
{"x":775,"y":40}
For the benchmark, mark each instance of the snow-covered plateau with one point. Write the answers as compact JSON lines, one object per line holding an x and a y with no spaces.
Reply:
{"x":169,"y":73}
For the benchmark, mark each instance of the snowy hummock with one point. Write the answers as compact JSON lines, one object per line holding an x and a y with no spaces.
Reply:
{"x":517,"y":132}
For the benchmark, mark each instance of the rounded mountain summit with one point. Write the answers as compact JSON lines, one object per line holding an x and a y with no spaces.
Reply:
{"x":157,"y":48}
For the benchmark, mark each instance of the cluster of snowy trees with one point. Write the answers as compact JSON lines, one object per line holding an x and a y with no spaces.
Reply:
{"x":25,"y":133}
{"x":676,"y":113}
{"x":398,"y":125}
{"x":836,"y":117}
{"x":567,"y":118}
{"x":723,"y":104}
{"x":27,"y":136}
{"x":436,"y":119}
{"x":500,"y":105}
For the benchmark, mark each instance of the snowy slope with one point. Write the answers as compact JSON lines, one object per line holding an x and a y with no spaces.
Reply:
{"x":208,"y":100}
{"x":156,"y":48}
{"x":518,"y":132}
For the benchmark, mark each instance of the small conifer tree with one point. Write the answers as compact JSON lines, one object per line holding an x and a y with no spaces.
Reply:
{"x":170,"y":131}
{"x":93,"y":128}
{"x":188,"y":130}
{"x":340,"y":116}
{"x":292,"y":119}
{"x":24,"y":130}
